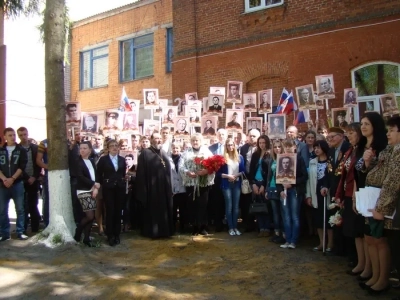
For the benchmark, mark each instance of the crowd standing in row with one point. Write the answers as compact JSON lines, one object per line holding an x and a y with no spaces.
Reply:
{"x":168,"y":185}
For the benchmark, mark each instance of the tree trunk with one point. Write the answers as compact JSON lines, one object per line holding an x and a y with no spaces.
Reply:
{"x":61,"y":217}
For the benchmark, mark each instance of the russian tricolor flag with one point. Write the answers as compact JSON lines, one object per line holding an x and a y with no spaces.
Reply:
{"x":125,"y":101}
{"x":286,"y":103}
{"x":302,"y":117}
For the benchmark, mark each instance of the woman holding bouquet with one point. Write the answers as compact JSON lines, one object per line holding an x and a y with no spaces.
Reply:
{"x":230,"y":173}
{"x":197,"y":182}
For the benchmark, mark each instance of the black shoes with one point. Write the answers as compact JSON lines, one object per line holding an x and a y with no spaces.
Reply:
{"x":89,"y":244}
{"x":378,"y":292}
{"x":117,"y":241}
{"x":360,"y":278}
{"x":363,"y":285}
{"x":350,"y":272}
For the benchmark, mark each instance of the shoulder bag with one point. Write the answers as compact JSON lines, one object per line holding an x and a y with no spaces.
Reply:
{"x":246,"y":189}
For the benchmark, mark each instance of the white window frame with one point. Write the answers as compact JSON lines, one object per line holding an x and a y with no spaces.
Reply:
{"x":262,"y":6}
{"x":374,"y":98}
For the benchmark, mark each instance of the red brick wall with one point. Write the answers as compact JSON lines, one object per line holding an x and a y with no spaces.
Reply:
{"x":221,"y":32}
{"x":154,"y":15}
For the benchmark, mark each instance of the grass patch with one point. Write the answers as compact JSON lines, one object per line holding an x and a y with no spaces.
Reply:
{"x":57,"y":239}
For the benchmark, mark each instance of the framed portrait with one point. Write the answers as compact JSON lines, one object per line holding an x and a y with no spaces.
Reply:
{"x":325,"y":86}
{"x":265,"y":101}
{"x":149,"y":126}
{"x":389,"y":105}
{"x":350,"y":97}
{"x":340,"y":117}
{"x":181,"y":125}
{"x":168,"y":115}
{"x":205,"y":105}
{"x":89,"y":123}
{"x":181,"y":105}
{"x":135,"y":105}
{"x":254,"y":123}
{"x":191,"y":96}
{"x":130,"y":121}
{"x":250,"y":102}
{"x":215,"y":104}
{"x":113,"y":120}
{"x":150,"y":98}
{"x":305,"y":97}
{"x":73,"y":112}
{"x":161,"y":103}
{"x":234,"y":119}
{"x":276,"y":126}
{"x":209,"y":125}
{"x":131,"y":157}
{"x":319,"y":103}
{"x":218,"y":90}
{"x":194,"y":114}
{"x":366,"y":105}
{"x":234,"y":92}
{"x":286,"y":168}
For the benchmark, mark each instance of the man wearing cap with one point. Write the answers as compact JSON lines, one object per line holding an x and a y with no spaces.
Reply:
{"x":233,"y":122}
{"x":338,"y":147}
{"x":111,"y":121}
{"x":341,"y":122}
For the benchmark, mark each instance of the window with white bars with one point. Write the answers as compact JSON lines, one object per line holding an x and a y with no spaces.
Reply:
{"x":254,"y":5}
{"x":94,"y":68}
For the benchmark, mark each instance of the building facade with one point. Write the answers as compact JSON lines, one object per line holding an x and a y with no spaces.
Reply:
{"x":286,"y":43}
{"x":130,"y":47}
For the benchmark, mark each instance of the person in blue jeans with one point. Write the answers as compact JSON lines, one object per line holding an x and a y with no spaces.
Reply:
{"x":259,"y":165}
{"x":274,"y":199}
{"x":230,"y":174}
{"x":291,"y":207}
{"x":13,"y":160}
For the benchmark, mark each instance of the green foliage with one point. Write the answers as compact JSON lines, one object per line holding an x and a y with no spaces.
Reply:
{"x":57,"y":239}
{"x":377,"y":79}
{"x":14,"y":8}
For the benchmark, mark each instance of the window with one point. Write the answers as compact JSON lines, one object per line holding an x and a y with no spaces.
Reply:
{"x":169,"y":50}
{"x":254,"y":5}
{"x":136,"y":58}
{"x":94,"y":68}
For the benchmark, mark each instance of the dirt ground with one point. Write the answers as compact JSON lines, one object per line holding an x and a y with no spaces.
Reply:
{"x":215,"y":267}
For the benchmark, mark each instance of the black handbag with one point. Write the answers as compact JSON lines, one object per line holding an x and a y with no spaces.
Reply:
{"x":272,"y":193}
{"x":258,"y":208}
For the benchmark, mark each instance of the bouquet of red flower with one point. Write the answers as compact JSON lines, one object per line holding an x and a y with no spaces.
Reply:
{"x":211,"y":164}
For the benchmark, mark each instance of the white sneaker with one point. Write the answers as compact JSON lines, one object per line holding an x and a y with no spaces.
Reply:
{"x":292,"y":246}
{"x":22,"y":236}
{"x":237,"y":232}
{"x":285,"y":245}
{"x":232,"y":232}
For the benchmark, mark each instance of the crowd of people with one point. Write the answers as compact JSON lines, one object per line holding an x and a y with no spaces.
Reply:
{"x":167,"y":191}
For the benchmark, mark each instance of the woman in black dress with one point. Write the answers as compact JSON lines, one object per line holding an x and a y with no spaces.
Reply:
{"x":111,"y":170}
{"x":87,"y":189}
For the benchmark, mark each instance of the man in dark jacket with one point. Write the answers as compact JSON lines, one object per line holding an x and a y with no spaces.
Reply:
{"x":13,"y":161}
{"x":31,"y":180}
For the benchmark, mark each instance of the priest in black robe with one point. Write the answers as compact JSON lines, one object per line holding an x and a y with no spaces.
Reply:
{"x":154,"y":191}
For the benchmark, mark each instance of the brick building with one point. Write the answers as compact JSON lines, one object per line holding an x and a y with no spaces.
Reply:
{"x":286,"y":43}
{"x":130,"y":46}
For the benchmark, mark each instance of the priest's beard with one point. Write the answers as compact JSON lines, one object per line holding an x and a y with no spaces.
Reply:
{"x":157,"y":146}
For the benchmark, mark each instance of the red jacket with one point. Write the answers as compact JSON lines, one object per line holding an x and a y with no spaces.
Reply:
{"x":347,"y":179}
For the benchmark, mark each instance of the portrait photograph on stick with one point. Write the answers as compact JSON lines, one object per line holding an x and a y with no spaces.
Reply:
{"x":168,"y":115}
{"x":254,"y":123}
{"x":130,"y":121}
{"x":150,"y":98}
{"x":250,"y":102}
{"x":89,"y":123}
{"x":234,"y":119}
{"x":112,"y":120}
{"x":286,"y":168}
{"x":215,"y":104}
{"x":340,"y":117}
{"x":194,"y":114}
{"x":277,"y":126}
{"x":389,"y":105}
{"x":319,"y":103}
{"x":305,"y":97}
{"x":191,"y":96}
{"x":325,"y":86}
{"x":350,"y":97}
{"x":209,"y":125}
{"x":265,"y":101}
{"x":73,"y":112}
{"x":135,"y":105}
{"x":234,"y":91}
{"x":181,"y":126}
{"x":366,"y":105}
{"x":218,"y":90}
{"x":149,"y":126}
{"x":161,"y":103}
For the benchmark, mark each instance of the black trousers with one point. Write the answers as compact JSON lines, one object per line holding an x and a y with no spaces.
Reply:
{"x":216,"y":205}
{"x":180,"y":202}
{"x":31,"y":205}
{"x":393,"y":238}
{"x":244,"y":205}
{"x":197,"y":205}
{"x":114,"y":198}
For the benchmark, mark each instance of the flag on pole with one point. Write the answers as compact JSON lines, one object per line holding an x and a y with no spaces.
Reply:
{"x":302,"y":117}
{"x":125,"y":101}
{"x":286,"y":103}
